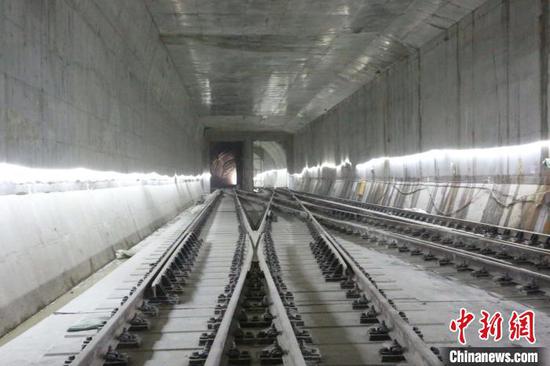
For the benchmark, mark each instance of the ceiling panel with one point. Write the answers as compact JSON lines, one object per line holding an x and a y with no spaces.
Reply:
{"x":278,"y":64}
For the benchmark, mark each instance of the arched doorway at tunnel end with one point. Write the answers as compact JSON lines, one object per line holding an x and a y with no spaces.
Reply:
{"x":226,"y":164}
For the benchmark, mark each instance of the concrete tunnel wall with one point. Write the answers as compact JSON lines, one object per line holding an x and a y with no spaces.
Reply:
{"x":483,"y":83}
{"x":86,"y":84}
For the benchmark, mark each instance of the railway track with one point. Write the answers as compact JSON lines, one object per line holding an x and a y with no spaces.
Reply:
{"x":258,"y":330}
{"x":527,"y":249}
{"x":490,"y":231}
{"x":510,"y":264}
{"x":334,"y":311}
{"x":430,"y":295}
{"x":209,"y":300}
{"x":158,"y":284}
{"x":421,"y":303}
{"x":358,"y":325}
{"x":253,"y":210}
{"x":243,"y":286}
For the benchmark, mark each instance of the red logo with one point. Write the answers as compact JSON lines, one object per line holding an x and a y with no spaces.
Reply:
{"x":461,"y":324}
{"x":520,"y":326}
{"x":491,"y":326}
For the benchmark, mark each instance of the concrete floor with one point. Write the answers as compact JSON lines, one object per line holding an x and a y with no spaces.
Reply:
{"x":61,"y":301}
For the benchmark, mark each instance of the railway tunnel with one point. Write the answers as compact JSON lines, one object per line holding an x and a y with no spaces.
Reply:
{"x":269,"y":182}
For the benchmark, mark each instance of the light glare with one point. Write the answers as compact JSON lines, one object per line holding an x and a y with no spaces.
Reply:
{"x":459,"y":154}
{"x":11,"y":173}
{"x":453,"y":156}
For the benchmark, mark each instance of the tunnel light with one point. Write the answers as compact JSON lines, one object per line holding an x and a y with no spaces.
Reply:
{"x":233,"y":177}
{"x":452,"y":156}
{"x":17,"y":174}
{"x":458,"y":155}
{"x":324,"y":165}
{"x":332,"y":165}
{"x":279,"y":177}
{"x":266,"y":173}
{"x":306,"y":169}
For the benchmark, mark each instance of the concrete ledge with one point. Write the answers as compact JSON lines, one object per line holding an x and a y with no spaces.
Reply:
{"x":46,"y":343}
{"x":52,"y":243}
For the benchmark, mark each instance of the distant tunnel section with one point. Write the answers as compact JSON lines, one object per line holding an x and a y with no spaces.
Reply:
{"x":226,"y":166}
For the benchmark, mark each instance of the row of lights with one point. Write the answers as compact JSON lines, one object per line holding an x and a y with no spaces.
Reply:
{"x":17,"y":174}
{"x":509,"y":152}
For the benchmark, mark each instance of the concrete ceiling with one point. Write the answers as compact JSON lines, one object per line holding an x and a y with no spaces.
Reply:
{"x":279,"y":64}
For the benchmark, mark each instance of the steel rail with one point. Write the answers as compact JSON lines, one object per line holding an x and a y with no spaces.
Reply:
{"x":93,"y":353}
{"x":489,"y":263}
{"x":498,"y":265}
{"x":219,"y":345}
{"x":253,"y":198}
{"x":535,"y":253}
{"x":261,"y":227}
{"x":287,"y":339}
{"x":254,"y":215}
{"x":169,"y":257}
{"x":474,"y":259}
{"x":430,"y":218}
{"x":168,"y":263}
{"x":418,"y":351}
{"x":323,"y":234}
{"x":326,"y":236}
{"x":535,"y":250}
{"x":522,"y":275}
